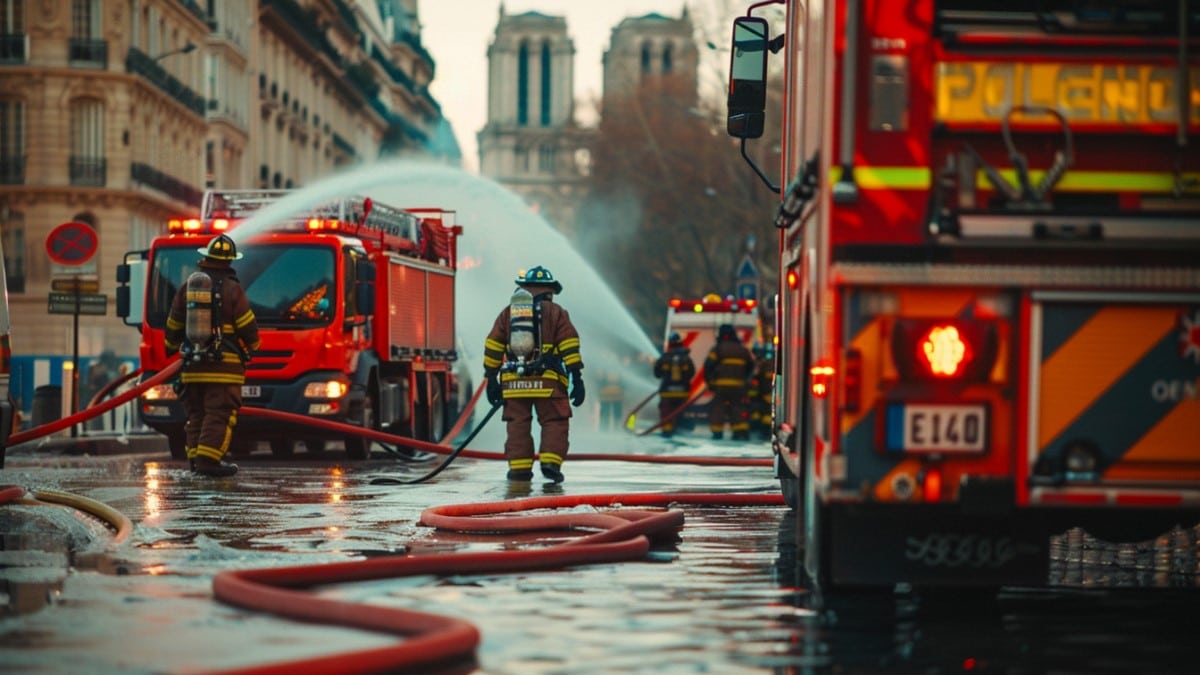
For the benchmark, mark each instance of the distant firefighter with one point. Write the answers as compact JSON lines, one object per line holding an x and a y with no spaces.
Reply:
{"x":727,"y":372}
{"x":675,"y":372}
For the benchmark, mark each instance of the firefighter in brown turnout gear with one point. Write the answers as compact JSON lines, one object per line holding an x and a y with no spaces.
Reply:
{"x":212,"y":326}
{"x":530,"y":357}
{"x":727,"y":372}
{"x":675,"y":371}
{"x":761,"y":390}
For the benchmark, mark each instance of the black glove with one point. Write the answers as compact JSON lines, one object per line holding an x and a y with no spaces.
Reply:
{"x":577,"y":391}
{"x":495,"y":393}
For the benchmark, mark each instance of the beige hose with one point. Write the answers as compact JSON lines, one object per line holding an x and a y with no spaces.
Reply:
{"x":117,"y":520}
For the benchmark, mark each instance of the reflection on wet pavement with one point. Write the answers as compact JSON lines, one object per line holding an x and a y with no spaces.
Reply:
{"x":721,"y":597}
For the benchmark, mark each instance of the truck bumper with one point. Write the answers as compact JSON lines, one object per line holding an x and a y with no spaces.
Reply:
{"x":876,"y":544}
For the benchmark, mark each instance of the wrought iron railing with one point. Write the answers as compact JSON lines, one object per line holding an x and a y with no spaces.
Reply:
{"x":88,"y":171}
{"x":12,"y":170}
{"x":86,"y":50}
{"x":139,"y":63}
{"x":14,"y":48}
{"x":165,"y":183}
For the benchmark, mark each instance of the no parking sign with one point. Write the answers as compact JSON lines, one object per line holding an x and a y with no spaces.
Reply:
{"x":70,"y":247}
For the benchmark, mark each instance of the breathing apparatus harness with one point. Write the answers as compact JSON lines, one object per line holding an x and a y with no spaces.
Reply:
{"x":524,"y":353}
{"x":203,"y":324}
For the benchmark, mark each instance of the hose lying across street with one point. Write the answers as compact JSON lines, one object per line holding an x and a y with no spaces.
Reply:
{"x":430,"y":641}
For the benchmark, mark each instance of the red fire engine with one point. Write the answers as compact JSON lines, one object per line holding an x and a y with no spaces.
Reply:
{"x":355,"y":308}
{"x":989,"y":308}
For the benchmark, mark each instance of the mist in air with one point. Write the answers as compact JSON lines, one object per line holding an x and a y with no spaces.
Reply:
{"x":501,"y":237}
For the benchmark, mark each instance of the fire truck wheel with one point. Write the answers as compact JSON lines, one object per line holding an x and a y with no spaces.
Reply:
{"x":177,"y":445}
{"x":359,"y":447}
{"x":281,"y":447}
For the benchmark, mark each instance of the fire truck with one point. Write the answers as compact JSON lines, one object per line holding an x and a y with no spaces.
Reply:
{"x":697,"y":321}
{"x":355,"y":306}
{"x":989,"y":262}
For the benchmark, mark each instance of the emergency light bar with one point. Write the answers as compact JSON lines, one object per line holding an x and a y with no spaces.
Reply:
{"x":714,"y":303}
{"x":197,"y":226}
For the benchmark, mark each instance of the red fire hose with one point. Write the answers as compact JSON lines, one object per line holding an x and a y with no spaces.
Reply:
{"x":429,"y":639}
{"x":85,"y":415}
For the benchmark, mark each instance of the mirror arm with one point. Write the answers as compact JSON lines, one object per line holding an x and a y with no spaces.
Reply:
{"x":766,"y":181}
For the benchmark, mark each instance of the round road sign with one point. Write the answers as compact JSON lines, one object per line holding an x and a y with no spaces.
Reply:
{"x":71,"y":243}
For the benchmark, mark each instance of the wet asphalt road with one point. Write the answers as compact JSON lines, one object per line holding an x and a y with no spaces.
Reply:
{"x":722,"y":597}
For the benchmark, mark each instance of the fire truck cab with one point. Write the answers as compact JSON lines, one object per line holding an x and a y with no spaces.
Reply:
{"x":355,"y":307}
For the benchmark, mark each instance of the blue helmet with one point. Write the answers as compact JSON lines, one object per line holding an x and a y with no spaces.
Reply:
{"x":538,"y":276}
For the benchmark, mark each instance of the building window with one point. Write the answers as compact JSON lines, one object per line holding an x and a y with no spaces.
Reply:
{"x":546,"y":159}
{"x":522,"y":159}
{"x":667,"y":60}
{"x":12,"y":31}
{"x":86,"y":46}
{"x":12,"y":229}
{"x":646,"y":58}
{"x":87,"y":142}
{"x":12,"y":142}
{"x":545,"y":84}
{"x":523,"y":84}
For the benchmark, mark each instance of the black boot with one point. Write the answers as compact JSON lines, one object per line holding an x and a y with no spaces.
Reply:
{"x":552,"y":472}
{"x":521,"y":475}
{"x":206,"y":466}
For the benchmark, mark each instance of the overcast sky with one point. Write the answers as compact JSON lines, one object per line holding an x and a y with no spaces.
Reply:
{"x":457,"y":34}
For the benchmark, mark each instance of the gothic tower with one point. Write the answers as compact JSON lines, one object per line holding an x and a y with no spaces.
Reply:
{"x":531,"y":143}
{"x":651,"y":52}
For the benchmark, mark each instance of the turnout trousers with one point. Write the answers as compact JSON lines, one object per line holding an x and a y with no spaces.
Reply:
{"x":554,"y":417}
{"x":211,"y":416}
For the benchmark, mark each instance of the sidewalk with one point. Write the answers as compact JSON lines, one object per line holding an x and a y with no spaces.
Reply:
{"x":94,"y":443}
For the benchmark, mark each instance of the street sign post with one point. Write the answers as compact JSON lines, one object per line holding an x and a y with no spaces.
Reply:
{"x":74,"y":244}
{"x":92,"y":304}
{"x":75,"y":285}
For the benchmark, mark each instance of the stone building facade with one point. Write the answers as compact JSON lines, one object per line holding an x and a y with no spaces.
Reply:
{"x":647,"y":52}
{"x":119,"y":113}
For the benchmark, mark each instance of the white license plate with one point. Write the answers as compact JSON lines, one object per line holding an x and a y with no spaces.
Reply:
{"x":936,"y":428}
{"x":251,"y":391}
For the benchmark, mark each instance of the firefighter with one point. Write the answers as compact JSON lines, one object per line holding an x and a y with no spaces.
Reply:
{"x":530,"y":357}
{"x":760,"y":390}
{"x":727,"y":371}
{"x":212,"y":326}
{"x":675,"y":371}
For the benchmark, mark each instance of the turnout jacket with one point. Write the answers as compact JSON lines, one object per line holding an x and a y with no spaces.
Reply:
{"x":238,"y":327}
{"x":728,"y":366}
{"x":675,"y":371}
{"x":559,"y":351}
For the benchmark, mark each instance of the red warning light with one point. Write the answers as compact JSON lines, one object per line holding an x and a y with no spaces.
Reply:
{"x":944,"y":351}
{"x":792,"y":279}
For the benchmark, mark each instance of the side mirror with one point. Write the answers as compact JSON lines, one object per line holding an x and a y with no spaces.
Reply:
{"x":748,"y":77}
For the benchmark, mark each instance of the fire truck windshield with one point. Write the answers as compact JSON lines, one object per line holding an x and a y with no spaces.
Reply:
{"x":289,"y":286}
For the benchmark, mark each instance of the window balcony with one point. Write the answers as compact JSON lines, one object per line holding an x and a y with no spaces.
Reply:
{"x":12,"y":170}
{"x":88,"y":171}
{"x":14,"y":48}
{"x":165,"y":183}
{"x":139,"y":63}
{"x":84,"y":51}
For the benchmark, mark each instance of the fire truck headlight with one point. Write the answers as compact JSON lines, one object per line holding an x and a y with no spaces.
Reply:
{"x":326,"y":389}
{"x":160,"y":392}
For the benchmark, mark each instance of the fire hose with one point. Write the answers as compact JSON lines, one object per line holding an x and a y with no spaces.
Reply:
{"x":431,"y":641}
{"x":11,"y":494}
{"x":85,"y":415}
